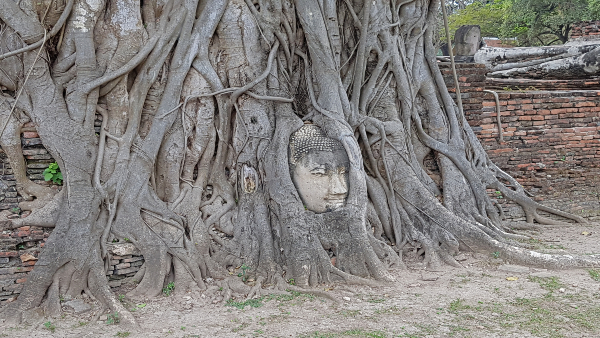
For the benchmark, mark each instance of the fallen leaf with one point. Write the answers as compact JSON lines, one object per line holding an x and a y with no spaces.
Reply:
{"x":585,"y":233}
{"x":512,"y":278}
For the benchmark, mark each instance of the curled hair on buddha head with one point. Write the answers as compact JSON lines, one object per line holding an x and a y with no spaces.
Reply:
{"x":310,"y":138}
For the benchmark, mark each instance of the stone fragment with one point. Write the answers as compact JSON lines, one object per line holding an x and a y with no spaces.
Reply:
{"x":123,"y":249}
{"x":542,"y":274}
{"x":78,"y":306}
{"x":461,"y":257}
{"x":513,"y":268}
{"x":26,"y":257}
{"x":467,"y":40}
{"x":429,"y":277}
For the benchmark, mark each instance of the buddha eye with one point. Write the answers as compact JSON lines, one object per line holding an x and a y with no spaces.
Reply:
{"x":319,"y":172}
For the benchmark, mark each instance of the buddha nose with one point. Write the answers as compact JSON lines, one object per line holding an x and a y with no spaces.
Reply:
{"x":338,"y":185}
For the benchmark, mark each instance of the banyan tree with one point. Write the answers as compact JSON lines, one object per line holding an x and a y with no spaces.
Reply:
{"x":289,"y":136}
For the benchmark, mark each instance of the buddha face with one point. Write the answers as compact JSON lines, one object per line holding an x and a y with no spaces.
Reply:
{"x":319,"y":170}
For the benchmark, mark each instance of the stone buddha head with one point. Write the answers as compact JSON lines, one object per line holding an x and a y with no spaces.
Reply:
{"x":319,"y":168}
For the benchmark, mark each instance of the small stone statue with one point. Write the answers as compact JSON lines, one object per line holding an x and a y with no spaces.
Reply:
{"x":319,"y":168}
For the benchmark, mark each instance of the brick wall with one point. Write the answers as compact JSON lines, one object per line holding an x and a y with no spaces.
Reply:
{"x":551,"y":144}
{"x":540,"y":84}
{"x":586,"y":29}
{"x":37,"y":159}
{"x":471,"y":77}
{"x":551,"y":139}
{"x":19,"y":248}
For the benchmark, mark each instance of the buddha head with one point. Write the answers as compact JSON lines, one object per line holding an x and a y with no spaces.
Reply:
{"x":319,"y":168}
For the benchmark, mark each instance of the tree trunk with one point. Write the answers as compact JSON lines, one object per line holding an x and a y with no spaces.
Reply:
{"x":198,"y":163}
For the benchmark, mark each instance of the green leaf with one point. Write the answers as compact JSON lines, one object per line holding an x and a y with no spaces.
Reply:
{"x":48,"y":176}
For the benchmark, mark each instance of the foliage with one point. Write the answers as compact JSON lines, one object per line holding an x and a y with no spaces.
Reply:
{"x":548,"y":283}
{"x":113,"y":318}
{"x":595,"y":274}
{"x":489,"y":16}
{"x":52,"y":173}
{"x":244,"y":274}
{"x":241,"y":305}
{"x":594,"y":9}
{"x":167,"y":290}
{"x":49,"y":326}
{"x":532,"y":22}
{"x":543,"y":22}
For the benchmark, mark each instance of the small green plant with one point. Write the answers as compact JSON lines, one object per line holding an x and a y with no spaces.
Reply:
{"x":15,"y":210}
{"x":595,"y":274}
{"x":49,"y":326}
{"x":21,"y":246}
{"x":121,"y":298}
{"x":496,"y":254}
{"x":52,"y":173}
{"x":250,"y":302}
{"x":168,"y":290}
{"x":113,"y":318}
{"x":126,"y":239}
{"x":122,"y":334}
{"x":457,"y":305}
{"x":291,"y":281}
{"x":243,"y":274}
{"x":548,"y":283}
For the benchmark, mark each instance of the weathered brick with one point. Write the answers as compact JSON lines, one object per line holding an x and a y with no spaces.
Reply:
{"x":9,"y":254}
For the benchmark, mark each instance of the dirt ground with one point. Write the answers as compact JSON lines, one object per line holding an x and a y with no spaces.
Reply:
{"x":487,"y":298}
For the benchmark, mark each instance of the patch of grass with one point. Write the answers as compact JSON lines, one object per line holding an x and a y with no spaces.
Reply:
{"x":364,"y":333}
{"x":350,"y":313}
{"x":317,"y":334}
{"x":457,"y":330}
{"x":168,"y":290}
{"x":122,"y":334}
{"x":376,"y":300}
{"x":240,"y":328}
{"x":457,"y":305}
{"x":595,"y":274}
{"x":250,"y":302}
{"x":258,"y":302}
{"x":389,"y":310}
{"x":548,"y":283}
{"x":422,"y":332}
{"x":50,"y":327}
{"x":538,"y":244}
{"x":113,"y":318}
{"x":353,"y":333}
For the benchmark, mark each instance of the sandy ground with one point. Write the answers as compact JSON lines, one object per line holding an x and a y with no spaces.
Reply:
{"x":486,"y":298}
